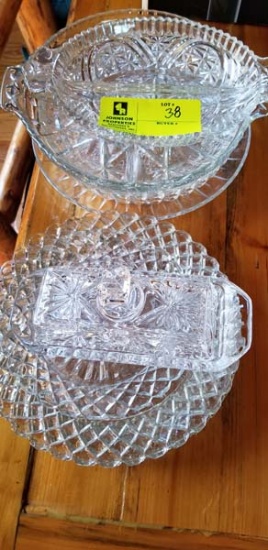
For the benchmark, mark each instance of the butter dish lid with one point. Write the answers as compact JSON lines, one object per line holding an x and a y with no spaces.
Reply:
{"x":131,"y":302}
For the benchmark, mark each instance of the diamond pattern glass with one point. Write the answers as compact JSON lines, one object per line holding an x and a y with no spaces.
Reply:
{"x":96,"y":411}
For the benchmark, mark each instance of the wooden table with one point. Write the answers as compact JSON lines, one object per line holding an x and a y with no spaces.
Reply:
{"x":213,"y":492}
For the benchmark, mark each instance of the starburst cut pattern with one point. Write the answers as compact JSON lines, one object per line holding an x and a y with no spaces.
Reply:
{"x":146,"y":55}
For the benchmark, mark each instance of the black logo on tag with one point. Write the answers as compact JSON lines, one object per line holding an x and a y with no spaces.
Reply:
{"x":120,"y":108}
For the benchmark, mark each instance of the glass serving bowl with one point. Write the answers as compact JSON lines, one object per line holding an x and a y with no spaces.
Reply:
{"x":86,"y":402}
{"x":135,"y":56}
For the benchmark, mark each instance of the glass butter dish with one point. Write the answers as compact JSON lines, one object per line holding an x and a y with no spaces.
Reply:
{"x":119,"y":339}
{"x":109,"y":312}
{"x":139,"y":105}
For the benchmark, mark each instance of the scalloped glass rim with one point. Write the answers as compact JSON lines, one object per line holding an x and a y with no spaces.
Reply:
{"x":45,"y":408}
{"x":188,"y":198}
{"x":104,"y":16}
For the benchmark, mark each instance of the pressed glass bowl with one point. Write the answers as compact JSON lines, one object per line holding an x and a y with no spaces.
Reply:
{"x":132,"y":54}
{"x":98,"y":411}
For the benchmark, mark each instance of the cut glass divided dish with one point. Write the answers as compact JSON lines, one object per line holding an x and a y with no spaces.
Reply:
{"x":64,"y":393}
{"x":138,"y":55}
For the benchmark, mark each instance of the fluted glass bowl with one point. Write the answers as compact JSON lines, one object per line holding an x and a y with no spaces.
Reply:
{"x":96,"y":409}
{"x":138,"y":55}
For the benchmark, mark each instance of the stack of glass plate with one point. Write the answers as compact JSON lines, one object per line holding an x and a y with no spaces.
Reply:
{"x":119,"y":339}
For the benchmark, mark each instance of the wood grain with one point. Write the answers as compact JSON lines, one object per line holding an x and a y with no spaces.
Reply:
{"x":36,"y":22}
{"x":103,"y":494}
{"x":7,"y":124}
{"x":7,"y":240}
{"x":8,"y":12}
{"x":15,"y":171}
{"x":48,"y":534}
{"x":54,"y":208}
{"x":14,"y":454}
{"x":84,"y":8}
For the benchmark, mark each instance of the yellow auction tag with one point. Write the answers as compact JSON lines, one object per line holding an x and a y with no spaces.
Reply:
{"x":151,"y":117}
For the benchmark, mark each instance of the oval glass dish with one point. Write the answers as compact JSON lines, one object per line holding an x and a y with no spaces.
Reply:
{"x":128,"y":57}
{"x":70,"y":379}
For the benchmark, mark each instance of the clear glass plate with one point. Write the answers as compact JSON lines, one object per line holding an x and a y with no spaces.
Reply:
{"x":185,"y":199}
{"x":96,"y":411}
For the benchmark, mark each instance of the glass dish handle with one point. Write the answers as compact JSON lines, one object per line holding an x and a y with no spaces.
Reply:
{"x":237,"y":332}
{"x":245,"y":303}
{"x":12,"y":88}
{"x":262,"y":109}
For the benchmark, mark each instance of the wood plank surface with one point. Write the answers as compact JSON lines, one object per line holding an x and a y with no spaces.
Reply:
{"x":50,"y":534}
{"x":14,"y":455}
{"x":15,"y":172}
{"x":218,"y":482}
{"x":36,"y":23}
{"x":44,"y":26}
{"x":14,"y":451}
{"x":8,"y":13}
{"x":7,"y":240}
{"x":11,"y":56}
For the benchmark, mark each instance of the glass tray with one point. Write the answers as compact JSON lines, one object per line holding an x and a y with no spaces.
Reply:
{"x":187,"y":198}
{"x":61,"y":404}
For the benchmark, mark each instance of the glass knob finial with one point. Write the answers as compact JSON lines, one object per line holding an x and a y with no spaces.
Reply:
{"x":119,"y":296}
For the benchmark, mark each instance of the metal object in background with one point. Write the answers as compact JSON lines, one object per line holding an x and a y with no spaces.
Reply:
{"x":223,"y":10}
